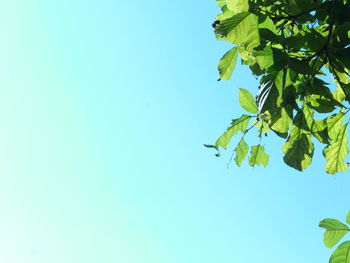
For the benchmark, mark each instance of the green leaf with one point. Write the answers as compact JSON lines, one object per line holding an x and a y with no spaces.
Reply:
{"x":258,"y":156}
{"x":268,"y":24}
{"x":341,"y":254}
{"x":334,"y":123}
{"x":227,"y":64}
{"x":301,"y":67}
{"x":221,"y":3}
{"x":336,"y":152}
{"x":348,"y":218}
{"x":335,"y":230}
{"x":237,"y":125}
{"x":280,"y":120}
{"x":238,"y":6}
{"x":339,"y":94}
{"x":226,"y":13}
{"x":320,"y":103}
{"x":264,"y":57}
{"x":299,"y":148}
{"x":240,"y":29}
{"x":241,"y":152}
{"x":247,"y":101}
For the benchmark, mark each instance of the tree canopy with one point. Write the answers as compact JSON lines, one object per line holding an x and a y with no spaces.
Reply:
{"x":296,"y":48}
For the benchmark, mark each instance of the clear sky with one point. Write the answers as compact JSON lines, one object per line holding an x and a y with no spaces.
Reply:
{"x":104,"y":109}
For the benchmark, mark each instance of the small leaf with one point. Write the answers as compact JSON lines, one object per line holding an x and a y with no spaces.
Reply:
{"x":227,"y":64}
{"x":241,"y":152}
{"x":247,"y":101}
{"x":258,"y":156}
{"x":239,"y":124}
{"x":341,"y":254}
{"x":335,"y":230}
{"x":348,"y":218}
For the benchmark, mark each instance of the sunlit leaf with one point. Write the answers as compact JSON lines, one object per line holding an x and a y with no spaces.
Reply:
{"x":348,"y":218}
{"x":221,"y":3}
{"x":264,"y":57}
{"x":258,"y":156}
{"x":341,"y":254}
{"x":237,"y":125}
{"x":334,"y":123}
{"x":227,"y":64}
{"x":336,"y":152}
{"x":335,"y":231}
{"x":241,"y":152}
{"x":280,"y":120}
{"x":242,"y":28}
{"x":238,"y":6}
{"x":247,"y":101}
{"x":299,"y":148}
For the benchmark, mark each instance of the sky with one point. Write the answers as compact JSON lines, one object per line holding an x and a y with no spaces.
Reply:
{"x":104,"y":109}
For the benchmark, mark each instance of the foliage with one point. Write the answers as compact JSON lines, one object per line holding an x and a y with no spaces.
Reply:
{"x":291,"y":47}
{"x":335,"y":231}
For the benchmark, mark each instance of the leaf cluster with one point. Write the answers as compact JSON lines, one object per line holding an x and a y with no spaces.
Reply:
{"x":291,"y":46}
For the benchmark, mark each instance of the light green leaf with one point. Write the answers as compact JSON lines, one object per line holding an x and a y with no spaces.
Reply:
{"x":280,"y":120}
{"x":336,"y":152}
{"x":247,"y":101}
{"x":268,"y":24}
{"x":341,"y":254}
{"x":299,"y":148}
{"x":258,"y":156}
{"x":227,"y":64}
{"x":348,"y":218}
{"x":240,"y":29}
{"x":238,"y":6}
{"x":335,"y":230}
{"x":226,"y":13}
{"x":241,"y":152}
{"x":334,"y":123}
{"x":339,"y":94}
{"x":317,"y":127}
{"x":264,"y":57}
{"x":239,"y":124}
{"x":221,"y":3}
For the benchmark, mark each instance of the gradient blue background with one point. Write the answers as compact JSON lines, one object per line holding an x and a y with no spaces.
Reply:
{"x":104,"y":109}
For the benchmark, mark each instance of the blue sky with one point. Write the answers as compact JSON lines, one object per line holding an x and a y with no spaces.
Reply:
{"x":105,"y":107}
